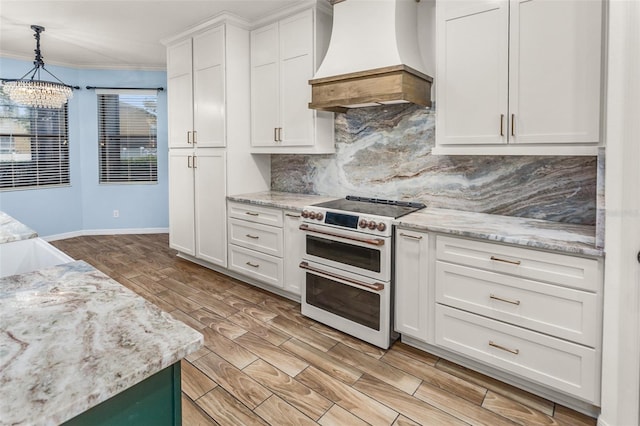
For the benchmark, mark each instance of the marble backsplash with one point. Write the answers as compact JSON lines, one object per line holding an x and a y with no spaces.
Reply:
{"x":385,"y":152}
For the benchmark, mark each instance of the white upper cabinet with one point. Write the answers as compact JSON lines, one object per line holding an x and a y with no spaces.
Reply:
{"x":521,"y":77}
{"x":196,"y":96}
{"x":284,"y":57}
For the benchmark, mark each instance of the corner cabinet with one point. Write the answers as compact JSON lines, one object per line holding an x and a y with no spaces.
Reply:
{"x":284,"y":57}
{"x":519,"y":77}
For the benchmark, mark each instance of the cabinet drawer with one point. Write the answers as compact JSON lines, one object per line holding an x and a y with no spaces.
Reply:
{"x":262,"y":267}
{"x":263,"y":238}
{"x":558,"y":311}
{"x":258,"y":214}
{"x":569,"y":271}
{"x":551,"y":362}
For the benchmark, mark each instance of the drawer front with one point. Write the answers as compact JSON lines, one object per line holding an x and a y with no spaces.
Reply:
{"x":551,"y":362}
{"x":558,"y":311}
{"x":258,"y":214}
{"x":262,"y":267}
{"x":255,"y":236}
{"x":569,"y":271}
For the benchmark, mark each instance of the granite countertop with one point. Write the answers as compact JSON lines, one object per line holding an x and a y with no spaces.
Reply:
{"x":12,"y":230}
{"x":72,"y":338}
{"x":282,"y":200}
{"x":534,"y":233}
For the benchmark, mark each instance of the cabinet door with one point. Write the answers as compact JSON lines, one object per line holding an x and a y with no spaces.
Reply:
{"x":554,"y":71}
{"x":296,"y":69}
{"x":181,"y":198}
{"x":179,"y":94}
{"x":208,"y":88}
{"x":294,"y":247}
{"x":265,"y":89}
{"x":472,"y":73}
{"x":412,"y":303}
{"x":210,"y":206}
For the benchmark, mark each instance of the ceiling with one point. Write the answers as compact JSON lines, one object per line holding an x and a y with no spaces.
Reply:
{"x":112,"y":34}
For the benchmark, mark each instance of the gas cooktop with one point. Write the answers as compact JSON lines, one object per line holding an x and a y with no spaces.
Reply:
{"x":372,"y":206}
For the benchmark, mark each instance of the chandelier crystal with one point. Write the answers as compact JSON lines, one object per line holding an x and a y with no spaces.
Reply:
{"x":38,"y":93}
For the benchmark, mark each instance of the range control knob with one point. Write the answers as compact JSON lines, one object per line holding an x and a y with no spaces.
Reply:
{"x":312,"y":215}
{"x":319,"y":216}
{"x":381,"y":227}
{"x":372,"y":225}
{"x":305,"y":213}
{"x":363,"y":223}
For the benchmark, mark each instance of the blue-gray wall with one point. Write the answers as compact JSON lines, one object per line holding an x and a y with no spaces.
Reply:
{"x":86,"y":205}
{"x":385,"y":152}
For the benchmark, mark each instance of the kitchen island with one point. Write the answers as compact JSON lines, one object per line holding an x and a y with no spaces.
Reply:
{"x":77,"y":346}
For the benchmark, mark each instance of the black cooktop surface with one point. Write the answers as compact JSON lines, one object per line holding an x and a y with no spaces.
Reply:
{"x":373,"y":206}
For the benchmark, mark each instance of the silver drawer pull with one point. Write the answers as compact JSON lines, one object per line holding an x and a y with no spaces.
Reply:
{"x":495,"y":345}
{"x":297,"y":216}
{"x":513,"y":262}
{"x":502,"y":299}
{"x":253,"y":265}
{"x":411,"y":236}
{"x":252,"y":213}
{"x":255,"y":237}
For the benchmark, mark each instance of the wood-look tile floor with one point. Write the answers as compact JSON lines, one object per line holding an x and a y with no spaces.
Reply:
{"x":264,"y":363}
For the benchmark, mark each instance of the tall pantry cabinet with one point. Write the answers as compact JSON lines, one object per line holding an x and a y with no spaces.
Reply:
{"x":209,"y":138}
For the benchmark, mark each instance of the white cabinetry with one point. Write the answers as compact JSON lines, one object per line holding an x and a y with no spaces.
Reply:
{"x":196,"y":98}
{"x":256,"y":242}
{"x":284,"y":57}
{"x":531,"y":313}
{"x":519,"y":77}
{"x":294,"y":249}
{"x":207,"y":130}
{"x":196,"y":209}
{"x":413,"y":299}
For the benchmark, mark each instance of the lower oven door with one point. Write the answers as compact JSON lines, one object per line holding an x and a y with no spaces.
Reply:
{"x":349,"y":251}
{"x":348,"y":302}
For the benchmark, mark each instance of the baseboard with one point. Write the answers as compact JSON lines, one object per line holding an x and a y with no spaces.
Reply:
{"x":86,"y":232}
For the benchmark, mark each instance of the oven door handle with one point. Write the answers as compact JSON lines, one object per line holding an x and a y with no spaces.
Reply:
{"x":372,"y":241}
{"x":374,"y":286}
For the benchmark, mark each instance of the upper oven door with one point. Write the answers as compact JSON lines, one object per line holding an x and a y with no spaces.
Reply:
{"x":350,"y":251}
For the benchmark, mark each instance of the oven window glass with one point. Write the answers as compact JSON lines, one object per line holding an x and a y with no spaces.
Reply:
{"x":348,"y":254}
{"x":348,"y":302}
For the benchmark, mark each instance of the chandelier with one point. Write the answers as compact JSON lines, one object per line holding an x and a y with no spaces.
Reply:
{"x":34,"y":92}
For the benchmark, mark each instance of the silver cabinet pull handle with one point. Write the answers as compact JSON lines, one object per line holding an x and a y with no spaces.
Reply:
{"x":297,"y":216}
{"x":279,"y":134}
{"x":501,"y":124}
{"x":195,"y":136}
{"x":275,"y":134}
{"x":495,"y":345}
{"x":189,"y":162}
{"x":195,"y":163}
{"x":513,"y":262}
{"x":253,"y":265}
{"x":372,"y":241}
{"x":418,"y":237}
{"x":189,"y":136}
{"x":374,"y":286}
{"x":252,"y":213}
{"x":502,"y":299}
{"x":255,"y":237}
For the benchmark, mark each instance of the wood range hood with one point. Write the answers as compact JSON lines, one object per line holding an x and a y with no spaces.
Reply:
{"x":373,"y":58}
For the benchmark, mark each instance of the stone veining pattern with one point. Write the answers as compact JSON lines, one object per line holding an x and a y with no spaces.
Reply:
{"x":535,"y":233}
{"x":385,"y":152}
{"x":280,"y":200}
{"x":12,"y":230}
{"x":71,"y":337}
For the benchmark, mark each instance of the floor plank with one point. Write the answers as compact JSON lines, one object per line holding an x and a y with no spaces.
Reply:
{"x":277,"y":412}
{"x":274,"y":355}
{"x":194,"y":383}
{"x":519,"y":413}
{"x":193,"y":415}
{"x":259,"y":328}
{"x":227,"y":349}
{"x":338,"y":416}
{"x":227,"y":410}
{"x":302,"y":333}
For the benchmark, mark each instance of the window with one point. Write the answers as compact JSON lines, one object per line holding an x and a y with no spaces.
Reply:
{"x":127,"y":136}
{"x":34,"y":147}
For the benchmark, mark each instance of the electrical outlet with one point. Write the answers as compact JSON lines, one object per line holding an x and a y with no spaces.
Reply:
{"x":116,"y":213}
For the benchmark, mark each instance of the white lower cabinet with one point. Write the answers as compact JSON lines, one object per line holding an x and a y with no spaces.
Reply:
{"x":294,"y":248}
{"x":256,"y":246}
{"x":534,"y":316}
{"x":412,"y":302}
{"x":197,"y":216}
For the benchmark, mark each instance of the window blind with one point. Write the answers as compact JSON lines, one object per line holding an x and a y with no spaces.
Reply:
{"x":127,"y":136}
{"x":34,"y":147}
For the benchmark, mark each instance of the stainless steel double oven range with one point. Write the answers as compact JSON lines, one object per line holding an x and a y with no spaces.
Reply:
{"x":348,"y":263}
